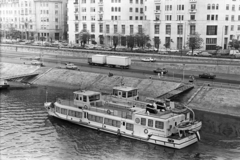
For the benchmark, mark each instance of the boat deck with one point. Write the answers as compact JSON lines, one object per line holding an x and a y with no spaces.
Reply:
{"x":162,"y":115}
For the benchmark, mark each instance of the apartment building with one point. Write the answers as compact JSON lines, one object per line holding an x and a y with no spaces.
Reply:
{"x":217,"y":21}
{"x":35,"y":18}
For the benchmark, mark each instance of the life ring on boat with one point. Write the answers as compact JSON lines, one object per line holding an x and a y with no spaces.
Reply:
{"x":145,"y":131}
{"x":85,"y":107}
{"x":108,"y":111}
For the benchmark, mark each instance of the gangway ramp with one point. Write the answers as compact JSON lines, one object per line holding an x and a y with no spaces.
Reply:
{"x":173,"y":93}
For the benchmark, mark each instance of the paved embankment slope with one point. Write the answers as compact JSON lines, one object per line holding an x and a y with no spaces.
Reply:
{"x":217,"y":100}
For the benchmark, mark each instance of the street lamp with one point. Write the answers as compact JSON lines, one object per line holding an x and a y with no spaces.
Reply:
{"x":183,"y":71}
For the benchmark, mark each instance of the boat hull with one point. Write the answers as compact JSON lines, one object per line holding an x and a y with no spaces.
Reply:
{"x":4,"y":86}
{"x":163,"y":141}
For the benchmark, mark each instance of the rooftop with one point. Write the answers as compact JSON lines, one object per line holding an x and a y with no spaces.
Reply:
{"x":87,"y":93}
{"x":124,"y":88}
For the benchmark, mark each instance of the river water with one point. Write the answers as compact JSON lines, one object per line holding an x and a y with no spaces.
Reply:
{"x":27,"y":132}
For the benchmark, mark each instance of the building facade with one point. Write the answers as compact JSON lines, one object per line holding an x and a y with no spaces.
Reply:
{"x":217,"y":21}
{"x":35,"y":18}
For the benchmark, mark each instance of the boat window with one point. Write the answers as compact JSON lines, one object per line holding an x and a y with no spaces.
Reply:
{"x":129,"y":126}
{"x":150,"y":123}
{"x":111,"y":122}
{"x":115,"y":92}
{"x":134,"y":92}
{"x":84,"y":98}
{"x":80,"y":98}
{"x":124,"y":94}
{"x":94,"y":97}
{"x":123,"y":123}
{"x":175,"y":123}
{"x":58,"y":109}
{"x":95,"y":118}
{"x":159,"y":124}
{"x":130,"y":94}
{"x":143,"y":121}
{"x":63,"y":111}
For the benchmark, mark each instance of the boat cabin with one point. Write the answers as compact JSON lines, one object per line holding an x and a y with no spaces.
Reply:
{"x":87,"y":98}
{"x":124,"y":92}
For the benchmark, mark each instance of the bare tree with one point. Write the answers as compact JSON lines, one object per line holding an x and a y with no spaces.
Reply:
{"x":141,"y":39}
{"x":84,"y":36}
{"x":130,"y":41}
{"x":234,"y":44}
{"x":194,"y":41}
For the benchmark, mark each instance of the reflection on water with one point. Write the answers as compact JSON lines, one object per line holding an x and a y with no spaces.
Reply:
{"x":27,"y":132}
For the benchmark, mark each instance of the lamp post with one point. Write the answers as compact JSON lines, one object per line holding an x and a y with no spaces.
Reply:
{"x":183,"y":71}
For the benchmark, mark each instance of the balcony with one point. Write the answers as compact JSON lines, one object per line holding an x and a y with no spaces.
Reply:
{"x":193,"y":1}
{"x":157,"y":1}
{"x":100,"y":12}
{"x":192,"y":10}
{"x":157,"y":11}
{"x":192,"y":21}
{"x":76,"y":12}
{"x":157,"y":21}
{"x":100,"y":3}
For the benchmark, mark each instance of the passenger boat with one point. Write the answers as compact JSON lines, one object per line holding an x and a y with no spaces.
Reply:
{"x":90,"y":110}
{"x":3,"y":84}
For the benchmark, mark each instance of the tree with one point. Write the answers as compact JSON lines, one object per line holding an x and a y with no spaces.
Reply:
{"x":218,"y":48}
{"x":94,"y":42}
{"x":167,"y":44}
{"x":141,"y":39}
{"x":13,"y":33}
{"x":115,"y":39}
{"x":148,"y":45}
{"x":130,"y":41}
{"x":84,"y":36}
{"x":235,"y":44}
{"x":157,"y":42}
{"x":42,"y":39}
{"x":194,"y":41}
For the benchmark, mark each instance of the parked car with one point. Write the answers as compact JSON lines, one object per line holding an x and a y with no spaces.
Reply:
{"x":207,"y":75}
{"x":160,"y":70}
{"x":205,"y":54}
{"x":194,"y":53}
{"x":149,"y":59}
{"x":71,"y":66}
{"x":36,"y":62}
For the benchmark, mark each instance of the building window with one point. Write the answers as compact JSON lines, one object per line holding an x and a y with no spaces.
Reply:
{"x":84,"y":27}
{"x":130,"y":17}
{"x":156,"y":29}
{"x":226,"y":30}
{"x":232,"y":18}
{"x":56,"y":27}
{"x":56,"y":19}
{"x":136,"y":9}
{"x":211,"y":43}
{"x":168,"y":17}
{"x":217,"y":6}
{"x":131,"y":29}
{"x":227,"y":7}
{"x":157,"y":17}
{"x":130,"y":9}
{"x":213,"y":6}
{"x":192,"y":29}
{"x":208,"y":17}
{"x":232,"y":27}
{"x":193,"y":6}
{"x":238,"y":27}
{"x":226,"y":17}
{"x":76,"y":27}
{"x":233,"y":7}
{"x":131,"y":1}
{"x":239,"y":17}
{"x":211,"y":30}
{"x":101,"y":28}
{"x":76,"y":17}
{"x":107,"y":28}
{"x":179,"y":42}
{"x":192,"y":17}
{"x":115,"y":28}
{"x":168,"y":29}
{"x":180,"y":29}
{"x":139,"y":28}
{"x":92,"y":27}
{"x":123,"y":29}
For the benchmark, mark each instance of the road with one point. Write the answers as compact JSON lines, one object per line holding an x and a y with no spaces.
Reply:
{"x":141,"y":71}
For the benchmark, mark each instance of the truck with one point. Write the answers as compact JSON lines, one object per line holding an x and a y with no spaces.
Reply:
{"x":118,"y":61}
{"x":97,"y":60}
{"x":110,"y":61}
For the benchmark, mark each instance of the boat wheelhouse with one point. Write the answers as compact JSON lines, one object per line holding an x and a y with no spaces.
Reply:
{"x":3,"y":84}
{"x":90,"y":110}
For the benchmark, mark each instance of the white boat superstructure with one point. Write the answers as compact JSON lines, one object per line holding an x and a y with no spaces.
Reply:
{"x":158,"y":127}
